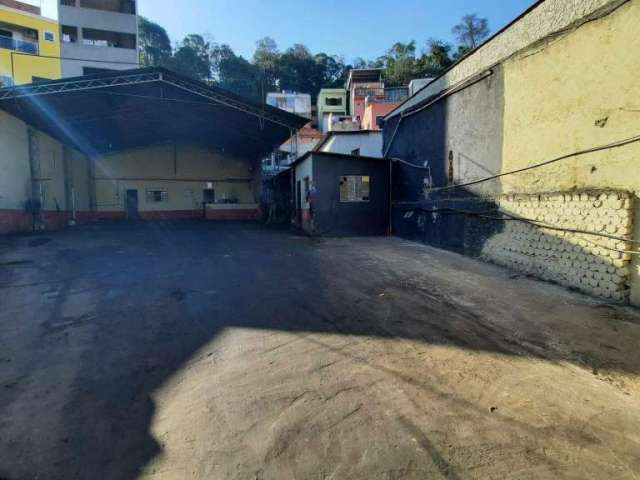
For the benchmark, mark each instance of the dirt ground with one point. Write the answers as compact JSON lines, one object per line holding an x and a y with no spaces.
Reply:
{"x":229,"y":351}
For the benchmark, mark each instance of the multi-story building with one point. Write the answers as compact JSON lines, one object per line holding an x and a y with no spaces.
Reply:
{"x":363,"y":83}
{"x":29,"y":45}
{"x":377,"y":106}
{"x":98,"y":35}
{"x":369,"y":100}
{"x":331,"y":100}
{"x":292,"y":102}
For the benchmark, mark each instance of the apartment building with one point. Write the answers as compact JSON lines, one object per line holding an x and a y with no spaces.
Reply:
{"x":363,"y":83}
{"x":369,"y":100}
{"x":292,"y":102}
{"x":98,"y":35}
{"x":379,"y":104}
{"x":29,"y":45}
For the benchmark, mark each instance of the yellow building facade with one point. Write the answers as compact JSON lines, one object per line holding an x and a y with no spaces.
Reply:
{"x":29,"y":47}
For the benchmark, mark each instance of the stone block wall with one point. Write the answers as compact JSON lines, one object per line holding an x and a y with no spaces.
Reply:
{"x":597,"y":265}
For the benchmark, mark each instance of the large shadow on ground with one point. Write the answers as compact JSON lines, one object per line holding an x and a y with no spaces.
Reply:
{"x":122,"y":308}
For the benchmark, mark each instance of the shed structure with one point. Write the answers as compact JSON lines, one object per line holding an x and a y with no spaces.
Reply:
{"x":341,"y":195}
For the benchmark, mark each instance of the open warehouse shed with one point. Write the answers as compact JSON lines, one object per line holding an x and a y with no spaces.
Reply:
{"x":144,"y":143}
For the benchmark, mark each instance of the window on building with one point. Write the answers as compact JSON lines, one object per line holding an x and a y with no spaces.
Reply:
{"x":68,"y":3}
{"x":355,"y":152}
{"x":157,"y":196}
{"x":69,"y":34}
{"x":355,"y":188}
{"x":104,"y":38}
{"x":333,"y":102}
{"x":120,"y":6}
{"x":49,"y":37}
{"x":94,"y":70}
{"x":18,"y":38}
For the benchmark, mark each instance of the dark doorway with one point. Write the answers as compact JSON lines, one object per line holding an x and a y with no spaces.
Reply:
{"x":299,"y":203}
{"x":208,"y":196}
{"x":132,"y":205}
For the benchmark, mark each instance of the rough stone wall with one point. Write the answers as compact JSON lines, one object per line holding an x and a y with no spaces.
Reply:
{"x":596,"y":265}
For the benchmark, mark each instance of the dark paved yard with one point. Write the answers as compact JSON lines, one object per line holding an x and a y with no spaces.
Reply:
{"x":225,"y":351}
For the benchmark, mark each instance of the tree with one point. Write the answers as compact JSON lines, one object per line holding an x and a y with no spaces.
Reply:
{"x":299,"y":71}
{"x":266,"y":58}
{"x":400,"y":63}
{"x":193,"y":58}
{"x":240,"y":76}
{"x":333,"y":69}
{"x":471,"y":30}
{"x":153,"y":43}
{"x":435,"y":58}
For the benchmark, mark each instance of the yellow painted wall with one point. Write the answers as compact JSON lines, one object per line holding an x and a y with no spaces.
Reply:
{"x":51,"y":178}
{"x":27,"y":66}
{"x":183,"y":172}
{"x":49,"y":169}
{"x":15,"y":175}
{"x":578,"y":91}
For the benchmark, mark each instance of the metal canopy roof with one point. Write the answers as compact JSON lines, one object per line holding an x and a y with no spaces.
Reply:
{"x":119,"y":110}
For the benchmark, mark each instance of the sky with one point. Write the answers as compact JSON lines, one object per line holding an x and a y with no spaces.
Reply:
{"x":337,"y":27}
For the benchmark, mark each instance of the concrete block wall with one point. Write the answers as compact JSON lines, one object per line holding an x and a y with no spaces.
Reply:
{"x":596,"y":265}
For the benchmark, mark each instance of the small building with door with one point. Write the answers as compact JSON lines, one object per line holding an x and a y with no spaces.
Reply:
{"x":341,"y":195}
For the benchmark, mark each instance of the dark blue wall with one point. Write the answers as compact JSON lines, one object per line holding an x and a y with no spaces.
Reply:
{"x":454,"y":140}
{"x":344,"y":219}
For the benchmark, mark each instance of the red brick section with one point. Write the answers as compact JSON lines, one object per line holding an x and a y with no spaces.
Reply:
{"x":307,"y":220}
{"x":21,"y":6}
{"x":15,"y":221}
{"x":19,"y":221}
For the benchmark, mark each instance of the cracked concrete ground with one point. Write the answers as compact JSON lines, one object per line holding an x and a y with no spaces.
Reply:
{"x":228,"y":351}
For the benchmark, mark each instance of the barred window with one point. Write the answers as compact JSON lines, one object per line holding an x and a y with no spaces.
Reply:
{"x":355,"y":188}
{"x":157,"y":196}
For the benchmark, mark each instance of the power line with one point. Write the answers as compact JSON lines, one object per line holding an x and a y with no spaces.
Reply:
{"x":617,"y":144}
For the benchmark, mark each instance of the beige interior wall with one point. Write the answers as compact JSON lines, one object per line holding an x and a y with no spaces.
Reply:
{"x":15,"y":176}
{"x":183,"y":171}
{"x":79,"y":173}
{"x":51,"y":179}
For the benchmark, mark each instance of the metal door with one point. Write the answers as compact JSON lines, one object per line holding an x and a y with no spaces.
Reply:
{"x":132,"y":204}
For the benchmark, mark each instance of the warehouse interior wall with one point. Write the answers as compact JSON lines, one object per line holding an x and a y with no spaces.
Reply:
{"x":182,"y":171}
{"x":69,"y":186}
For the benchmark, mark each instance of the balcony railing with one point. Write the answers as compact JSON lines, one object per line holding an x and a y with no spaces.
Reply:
{"x":369,"y":92}
{"x":18,"y":45}
{"x":383,"y":95}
